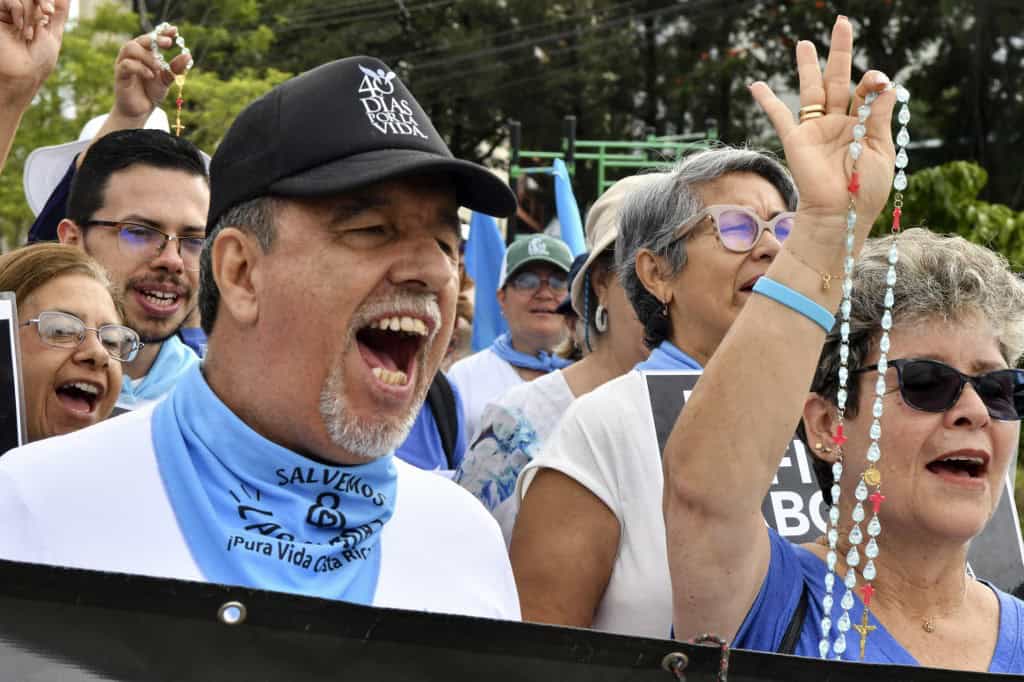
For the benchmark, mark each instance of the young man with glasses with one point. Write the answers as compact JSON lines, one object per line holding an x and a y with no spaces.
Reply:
{"x":533,"y":282}
{"x":138,"y":205}
{"x":329,"y":284}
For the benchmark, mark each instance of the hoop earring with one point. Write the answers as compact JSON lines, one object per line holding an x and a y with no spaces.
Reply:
{"x":601,"y":318}
{"x":586,"y":312}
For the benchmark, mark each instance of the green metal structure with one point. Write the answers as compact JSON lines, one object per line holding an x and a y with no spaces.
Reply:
{"x":609,"y":155}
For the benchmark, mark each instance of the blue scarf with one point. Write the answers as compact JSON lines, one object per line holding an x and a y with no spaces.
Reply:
{"x":173,"y":360}
{"x":668,"y":356}
{"x":541,"y":362}
{"x":258,"y":515}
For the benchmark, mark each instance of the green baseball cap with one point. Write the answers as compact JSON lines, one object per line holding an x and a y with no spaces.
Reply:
{"x":534,"y":248}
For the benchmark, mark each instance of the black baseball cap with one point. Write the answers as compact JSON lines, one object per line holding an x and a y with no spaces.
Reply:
{"x":338,"y":127}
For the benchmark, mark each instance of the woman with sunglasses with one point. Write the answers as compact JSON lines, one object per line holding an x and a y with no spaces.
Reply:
{"x":948,"y":405}
{"x":690,"y":247}
{"x":71,"y":337}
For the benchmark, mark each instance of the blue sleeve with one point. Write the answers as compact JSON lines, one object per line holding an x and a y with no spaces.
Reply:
{"x":461,"y":446}
{"x":770,"y":614}
{"x":44,"y":229}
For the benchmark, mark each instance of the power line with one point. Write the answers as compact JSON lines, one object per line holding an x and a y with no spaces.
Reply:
{"x":336,"y":19}
{"x":336,"y":9}
{"x":698,"y":5}
{"x":520,"y":29}
{"x":536,"y":41}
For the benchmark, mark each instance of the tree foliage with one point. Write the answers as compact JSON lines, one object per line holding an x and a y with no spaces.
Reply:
{"x":621,"y":67}
{"x":945,"y":199}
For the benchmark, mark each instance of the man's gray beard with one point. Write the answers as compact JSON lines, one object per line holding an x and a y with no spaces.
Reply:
{"x":374,"y":439}
{"x":369,"y":439}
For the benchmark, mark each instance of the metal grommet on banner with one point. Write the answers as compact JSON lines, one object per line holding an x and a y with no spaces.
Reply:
{"x":232,"y":613}
{"x":676,"y":663}
{"x":723,"y":667}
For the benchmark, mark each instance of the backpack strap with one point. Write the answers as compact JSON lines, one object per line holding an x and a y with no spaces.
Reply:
{"x":441,"y":399}
{"x":796,"y":624}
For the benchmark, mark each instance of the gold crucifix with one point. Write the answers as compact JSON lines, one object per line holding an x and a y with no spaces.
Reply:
{"x":179,"y":80}
{"x":864,"y":629}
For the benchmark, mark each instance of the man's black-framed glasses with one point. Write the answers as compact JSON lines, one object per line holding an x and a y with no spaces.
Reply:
{"x":145,"y":242}
{"x":933,"y":386}
{"x":64,"y":330}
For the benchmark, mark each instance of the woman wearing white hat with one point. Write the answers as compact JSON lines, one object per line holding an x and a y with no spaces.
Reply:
{"x":514,"y":428}
{"x":690,"y":247}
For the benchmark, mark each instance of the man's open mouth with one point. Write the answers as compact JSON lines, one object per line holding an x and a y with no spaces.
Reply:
{"x":390,"y":345}
{"x":159,"y":298}
{"x":79,"y":396}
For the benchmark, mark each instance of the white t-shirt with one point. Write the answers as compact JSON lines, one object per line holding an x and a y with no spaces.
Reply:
{"x":481,"y":378}
{"x":520,"y":422}
{"x":94,"y":499}
{"x":607,"y":443}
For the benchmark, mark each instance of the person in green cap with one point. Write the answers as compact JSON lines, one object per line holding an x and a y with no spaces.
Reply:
{"x":534,"y":280}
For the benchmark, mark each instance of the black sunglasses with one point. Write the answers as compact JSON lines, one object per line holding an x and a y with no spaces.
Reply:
{"x":933,"y":386}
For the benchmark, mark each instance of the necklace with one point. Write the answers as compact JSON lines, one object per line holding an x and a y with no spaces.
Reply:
{"x":928,"y":622}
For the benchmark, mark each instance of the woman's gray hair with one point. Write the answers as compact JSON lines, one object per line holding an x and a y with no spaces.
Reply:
{"x":938,"y":278}
{"x":651,"y":216}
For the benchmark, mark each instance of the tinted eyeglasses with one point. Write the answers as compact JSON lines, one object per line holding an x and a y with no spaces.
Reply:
{"x":61,"y":330}
{"x":531,"y":281}
{"x":145,"y":243}
{"x":738,"y":228}
{"x":933,"y":386}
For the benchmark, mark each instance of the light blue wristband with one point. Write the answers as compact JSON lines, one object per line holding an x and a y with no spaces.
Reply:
{"x":795,"y":301}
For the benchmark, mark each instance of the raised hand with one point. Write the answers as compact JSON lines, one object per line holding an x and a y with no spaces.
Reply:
{"x":30,"y":36}
{"x":139,"y":81}
{"x":817,"y":150}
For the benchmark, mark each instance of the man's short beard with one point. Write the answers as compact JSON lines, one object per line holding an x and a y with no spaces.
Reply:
{"x":143,"y":328}
{"x":376,"y":438}
{"x":369,"y":439}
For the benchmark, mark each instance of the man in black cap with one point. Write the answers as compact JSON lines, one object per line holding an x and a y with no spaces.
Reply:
{"x":328,"y":291}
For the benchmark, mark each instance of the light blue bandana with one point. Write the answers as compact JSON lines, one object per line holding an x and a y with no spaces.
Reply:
{"x":541,"y":362}
{"x":173,"y":360}
{"x":258,"y":515}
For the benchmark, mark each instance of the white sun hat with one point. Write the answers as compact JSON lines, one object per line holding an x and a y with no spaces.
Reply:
{"x":45,"y":167}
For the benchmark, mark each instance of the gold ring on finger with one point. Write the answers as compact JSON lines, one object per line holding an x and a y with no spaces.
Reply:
{"x":811,"y":111}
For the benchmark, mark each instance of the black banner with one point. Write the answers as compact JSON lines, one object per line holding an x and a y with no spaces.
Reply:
{"x":794,"y":505}
{"x":67,"y":625}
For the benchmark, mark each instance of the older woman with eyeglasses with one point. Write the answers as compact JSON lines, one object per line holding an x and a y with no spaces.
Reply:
{"x":691,"y":245}
{"x":71,"y":337}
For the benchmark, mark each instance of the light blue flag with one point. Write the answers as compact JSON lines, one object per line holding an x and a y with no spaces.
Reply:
{"x":485,"y":252}
{"x":568,"y":211}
